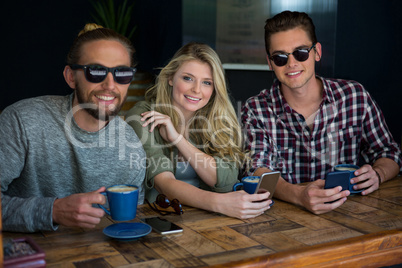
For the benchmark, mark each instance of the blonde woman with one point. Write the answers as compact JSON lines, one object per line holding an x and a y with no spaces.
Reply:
{"x":192,"y":138}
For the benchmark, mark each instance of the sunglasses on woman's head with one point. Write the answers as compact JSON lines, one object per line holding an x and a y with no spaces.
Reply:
{"x":163,"y":202}
{"x":300,"y":54}
{"x":98,"y":73}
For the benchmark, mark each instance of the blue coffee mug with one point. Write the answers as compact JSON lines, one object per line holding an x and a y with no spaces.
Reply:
{"x":248,"y":184}
{"x":123,"y":200}
{"x":351,"y":169}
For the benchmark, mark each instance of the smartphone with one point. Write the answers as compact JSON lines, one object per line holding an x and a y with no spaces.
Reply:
{"x":268,"y":182}
{"x":337,"y":178}
{"x":162,"y":226}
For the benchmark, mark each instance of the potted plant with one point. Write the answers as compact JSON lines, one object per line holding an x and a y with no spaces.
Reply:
{"x":117,"y":17}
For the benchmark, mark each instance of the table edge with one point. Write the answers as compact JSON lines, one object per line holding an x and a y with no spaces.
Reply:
{"x":373,"y":250}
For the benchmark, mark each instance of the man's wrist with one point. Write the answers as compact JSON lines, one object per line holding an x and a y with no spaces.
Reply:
{"x":379,"y":177}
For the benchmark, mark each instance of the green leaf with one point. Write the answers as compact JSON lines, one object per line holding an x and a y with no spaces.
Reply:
{"x":112,"y":18}
{"x":118,"y":18}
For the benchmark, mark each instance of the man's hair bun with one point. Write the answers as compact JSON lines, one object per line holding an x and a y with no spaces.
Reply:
{"x":90,"y":27}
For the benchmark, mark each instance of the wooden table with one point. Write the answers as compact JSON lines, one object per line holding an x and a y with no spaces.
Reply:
{"x":366,"y":230}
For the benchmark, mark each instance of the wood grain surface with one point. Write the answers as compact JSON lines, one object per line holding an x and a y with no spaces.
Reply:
{"x":365,"y":231}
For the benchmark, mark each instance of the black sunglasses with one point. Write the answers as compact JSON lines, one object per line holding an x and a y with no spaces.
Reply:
{"x":98,"y":73}
{"x":164,"y":202}
{"x":300,"y":54}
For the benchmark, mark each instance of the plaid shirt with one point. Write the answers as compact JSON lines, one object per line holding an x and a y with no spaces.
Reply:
{"x":349,"y":125}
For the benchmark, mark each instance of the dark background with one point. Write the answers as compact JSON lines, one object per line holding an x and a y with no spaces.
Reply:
{"x":38,"y":34}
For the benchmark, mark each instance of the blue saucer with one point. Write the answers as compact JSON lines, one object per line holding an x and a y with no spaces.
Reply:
{"x":127,"y":230}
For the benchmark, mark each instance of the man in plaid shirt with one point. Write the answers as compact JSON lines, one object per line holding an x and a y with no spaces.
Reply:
{"x":304,"y":124}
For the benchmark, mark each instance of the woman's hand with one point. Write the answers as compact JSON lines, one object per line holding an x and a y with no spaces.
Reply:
{"x":166,"y":129}
{"x":242,"y":205}
{"x":238,"y":204}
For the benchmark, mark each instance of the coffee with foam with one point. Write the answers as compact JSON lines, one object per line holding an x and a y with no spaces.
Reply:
{"x":346,"y":168}
{"x":252,"y":180}
{"x":121,"y":189}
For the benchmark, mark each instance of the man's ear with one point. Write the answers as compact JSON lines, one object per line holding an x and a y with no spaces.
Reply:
{"x":318,"y":51}
{"x":269,"y":63}
{"x":69,"y":76}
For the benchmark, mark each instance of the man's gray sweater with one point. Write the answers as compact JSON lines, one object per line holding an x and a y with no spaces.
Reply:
{"x":44,"y":155}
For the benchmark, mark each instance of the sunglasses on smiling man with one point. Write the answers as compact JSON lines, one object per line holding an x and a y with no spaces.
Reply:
{"x":300,"y":54}
{"x":98,"y":73}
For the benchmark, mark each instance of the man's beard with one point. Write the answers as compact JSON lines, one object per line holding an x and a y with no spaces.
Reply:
{"x":93,"y":109}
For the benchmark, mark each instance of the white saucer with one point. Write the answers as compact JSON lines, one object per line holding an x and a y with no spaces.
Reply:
{"x":127,"y":230}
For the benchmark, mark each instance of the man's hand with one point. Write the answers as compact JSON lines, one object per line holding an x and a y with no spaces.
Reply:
{"x":76,"y":210}
{"x":366,"y":177}
{"x":311,"y":196}
{"x":315,"y":198}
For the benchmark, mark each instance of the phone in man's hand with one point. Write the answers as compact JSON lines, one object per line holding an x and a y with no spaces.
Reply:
{"x":337,"y":178}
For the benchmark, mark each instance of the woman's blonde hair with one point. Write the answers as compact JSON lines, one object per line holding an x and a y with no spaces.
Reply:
{"x":215,"y":126}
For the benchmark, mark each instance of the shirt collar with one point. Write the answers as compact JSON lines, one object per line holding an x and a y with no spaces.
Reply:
{"x":280,"y":105}
{"x":327,"y":95}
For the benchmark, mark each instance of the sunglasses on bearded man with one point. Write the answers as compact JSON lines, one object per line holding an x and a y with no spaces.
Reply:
{"x":95,"y":73}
